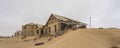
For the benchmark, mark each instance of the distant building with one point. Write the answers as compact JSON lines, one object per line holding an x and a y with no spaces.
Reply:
{"x":17,"y":33}
{"x":56,"y":25}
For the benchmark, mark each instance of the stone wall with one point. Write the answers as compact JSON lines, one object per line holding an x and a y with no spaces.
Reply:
{"x":28,"y":30}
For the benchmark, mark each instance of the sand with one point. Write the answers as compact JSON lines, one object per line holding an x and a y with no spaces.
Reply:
{"x":81,"y":38}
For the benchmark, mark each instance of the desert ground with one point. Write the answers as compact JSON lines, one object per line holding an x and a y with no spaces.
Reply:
{"x":80,"y":38}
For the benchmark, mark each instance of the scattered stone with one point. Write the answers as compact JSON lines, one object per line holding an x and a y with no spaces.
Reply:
{"x":35,"y":40}
{"x":26,"y":40}
{"x":49,"y":39}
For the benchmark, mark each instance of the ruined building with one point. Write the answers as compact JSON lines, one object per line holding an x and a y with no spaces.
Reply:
{"x":55,"y":26}
{"x":17,"y":34}
{"x":30,"y":30}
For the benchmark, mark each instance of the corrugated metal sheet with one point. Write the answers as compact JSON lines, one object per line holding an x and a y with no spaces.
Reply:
{"x":68,"y":20}
{"x":60,"y":17}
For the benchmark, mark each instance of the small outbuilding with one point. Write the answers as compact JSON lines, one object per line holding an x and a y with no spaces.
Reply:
{"x":30,"y":29}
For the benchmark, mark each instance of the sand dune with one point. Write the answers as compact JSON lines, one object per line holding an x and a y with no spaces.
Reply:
{"x":81,"y":38}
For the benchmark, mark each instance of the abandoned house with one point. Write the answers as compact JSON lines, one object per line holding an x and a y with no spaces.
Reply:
{"x":55,"y":26}
{"x":30,"y":30}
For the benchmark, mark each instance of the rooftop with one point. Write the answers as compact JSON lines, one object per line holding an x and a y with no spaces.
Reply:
{"x":68,"y":20}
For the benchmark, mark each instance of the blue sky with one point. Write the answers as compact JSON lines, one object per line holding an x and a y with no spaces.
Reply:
{"x":15,"y":13}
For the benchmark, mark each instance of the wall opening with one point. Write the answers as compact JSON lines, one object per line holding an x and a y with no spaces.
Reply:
{"x":49,"y":30}
{"x":42,"y":32}
{"x":55,"y":28}
{"x":37,"y":31}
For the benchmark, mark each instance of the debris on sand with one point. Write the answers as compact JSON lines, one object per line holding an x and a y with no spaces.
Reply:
{"x":41,"y":43}
{"x":26,"y":40}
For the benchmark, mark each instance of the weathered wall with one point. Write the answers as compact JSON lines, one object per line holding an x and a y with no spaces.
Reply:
{"x":28,"y":30}
{"x":52,"y":22}
{"x":38,"y":33}
{"x":52,"y":28}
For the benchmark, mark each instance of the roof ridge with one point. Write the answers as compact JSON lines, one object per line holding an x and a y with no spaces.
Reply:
{"x":66,"y":19}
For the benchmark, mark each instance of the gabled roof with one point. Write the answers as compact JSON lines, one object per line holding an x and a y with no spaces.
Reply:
{"x":65,"y":19}
{"x":60,"y":17}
